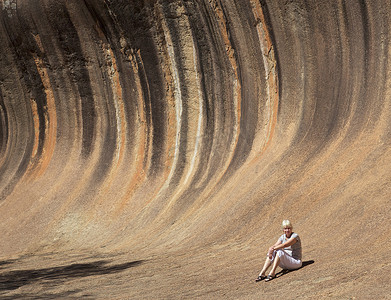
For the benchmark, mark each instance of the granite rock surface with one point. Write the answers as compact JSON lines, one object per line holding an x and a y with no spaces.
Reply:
{"x":151,"y":149}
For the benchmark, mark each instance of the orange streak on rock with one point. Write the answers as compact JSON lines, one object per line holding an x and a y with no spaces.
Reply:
{"x":271,"y":76}
{"x":139,"y":173}
{"x":231,"y":56}
{"x":236,"y":91}
{"x":118,"y":91}
{"x":36,"y":169}
{"x":39,"y":42}
{"x":167,"y":69}
{"x":120,"y":116}
{"x":144,"y":149}
{"x":36,"y":127}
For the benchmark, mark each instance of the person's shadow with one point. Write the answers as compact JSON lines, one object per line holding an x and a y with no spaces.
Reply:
{"x":284,"y":271}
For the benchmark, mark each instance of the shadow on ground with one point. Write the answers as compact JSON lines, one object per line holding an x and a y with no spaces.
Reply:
{"x":4,"y":263}
{"x":305,"y":263}
{"x":12,"y":280}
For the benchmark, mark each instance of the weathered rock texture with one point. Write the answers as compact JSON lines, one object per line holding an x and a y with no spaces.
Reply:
{"x":177,"y":135}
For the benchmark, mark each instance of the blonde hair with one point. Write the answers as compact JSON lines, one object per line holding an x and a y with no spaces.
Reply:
{"x":286,"y":224}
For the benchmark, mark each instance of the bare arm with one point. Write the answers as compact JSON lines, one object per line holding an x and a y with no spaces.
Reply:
{"x":272,"y":248}
{"x":288,"y":243}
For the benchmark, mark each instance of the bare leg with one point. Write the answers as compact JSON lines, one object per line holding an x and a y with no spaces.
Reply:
{"x":265,"y":266}
{"x":275,"y":265}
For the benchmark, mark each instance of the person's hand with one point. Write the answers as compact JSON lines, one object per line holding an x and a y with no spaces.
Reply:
{"x":270,"y":253}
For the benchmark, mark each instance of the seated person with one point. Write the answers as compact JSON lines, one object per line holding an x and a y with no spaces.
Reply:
{"x":286,"y":253}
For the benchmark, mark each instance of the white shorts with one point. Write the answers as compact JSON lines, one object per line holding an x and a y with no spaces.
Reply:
{"x":287,"y":262}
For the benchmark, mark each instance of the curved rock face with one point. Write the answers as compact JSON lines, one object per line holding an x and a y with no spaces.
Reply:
{"x":162,"y":126}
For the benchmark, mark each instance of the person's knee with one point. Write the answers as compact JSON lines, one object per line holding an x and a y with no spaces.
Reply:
{"x":273,"y":256}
